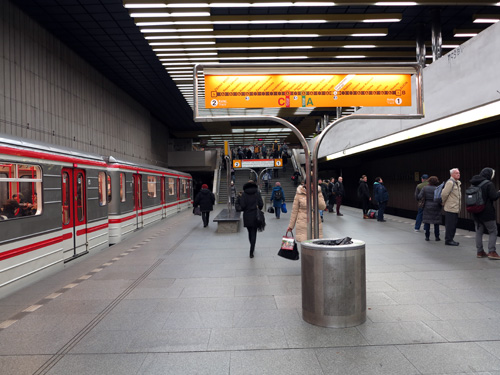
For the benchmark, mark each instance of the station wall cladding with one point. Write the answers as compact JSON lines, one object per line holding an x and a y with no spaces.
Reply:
{"x":469,"y":149}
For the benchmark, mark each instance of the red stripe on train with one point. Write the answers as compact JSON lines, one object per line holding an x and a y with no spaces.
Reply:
{"x":32,"y":247}
{"x":92,"y":229}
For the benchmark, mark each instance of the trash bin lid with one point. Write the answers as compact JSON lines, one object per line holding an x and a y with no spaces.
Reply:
{"x":330,"y":244}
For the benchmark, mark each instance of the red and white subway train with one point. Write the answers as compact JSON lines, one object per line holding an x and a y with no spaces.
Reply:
{"x":57,"y":205}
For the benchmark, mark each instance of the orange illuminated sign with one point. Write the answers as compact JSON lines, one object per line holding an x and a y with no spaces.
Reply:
{"x":307,"y":90}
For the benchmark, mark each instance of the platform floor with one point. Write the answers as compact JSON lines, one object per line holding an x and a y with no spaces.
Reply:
{"x":182,"y":299}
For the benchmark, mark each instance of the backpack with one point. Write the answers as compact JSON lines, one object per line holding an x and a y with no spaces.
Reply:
{"x":439,"y":190}
{"x":474,"y":200}
{"x":277,"y":195}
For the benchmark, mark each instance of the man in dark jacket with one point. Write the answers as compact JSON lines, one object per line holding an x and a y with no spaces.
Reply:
{"x":205,"y":199}
{"x":420,"y":212}
{"x":331,"y":195}
{"x":381,"y":197}
{"x":249,"y":202}
{"x":487,"y":217}
{"x":364,"y":195}
{"x":338,"y":190}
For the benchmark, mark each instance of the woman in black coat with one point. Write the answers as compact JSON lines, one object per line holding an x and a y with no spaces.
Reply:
{"x":248,"y":203}
{"x":205,"y":199}
{"x":432,"y":210}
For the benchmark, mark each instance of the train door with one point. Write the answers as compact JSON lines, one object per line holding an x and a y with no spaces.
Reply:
{"x":178,"y":183}
{"x":74,"y":210}
{"x":163,"y":197}
{"x":138,"y":200}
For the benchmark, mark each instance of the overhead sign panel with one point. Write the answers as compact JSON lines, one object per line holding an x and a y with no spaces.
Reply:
{"x":307,"y":90}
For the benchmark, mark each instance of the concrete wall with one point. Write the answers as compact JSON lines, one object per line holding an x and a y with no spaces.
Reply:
{"x":49,"y":94}
{"x":464,"y":78}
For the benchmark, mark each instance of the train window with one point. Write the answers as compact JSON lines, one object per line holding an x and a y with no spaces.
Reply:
{"x":20,"y":190}
{"x":183,"y":187}
{"x":101,"y":183}
{"x":80,"y":197}
{"x":109,"y":187}
{"x":152,"y":186}
{"x":66,"y":198}
{"x":171,"y":186}
{"x":122,"y":187}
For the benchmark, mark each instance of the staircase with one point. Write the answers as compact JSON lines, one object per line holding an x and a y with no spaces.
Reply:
{"x":242,"y":177}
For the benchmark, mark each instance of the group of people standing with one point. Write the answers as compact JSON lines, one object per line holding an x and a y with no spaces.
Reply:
{"x":429,"y":211}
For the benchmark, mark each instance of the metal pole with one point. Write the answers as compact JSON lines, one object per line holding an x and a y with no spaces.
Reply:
{"x":228,"y":177}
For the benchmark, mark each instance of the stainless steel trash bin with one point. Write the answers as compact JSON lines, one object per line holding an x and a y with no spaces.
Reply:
{"x":333,"y":283}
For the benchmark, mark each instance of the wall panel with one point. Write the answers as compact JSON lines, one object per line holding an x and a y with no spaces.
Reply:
{"x":46,"y":85}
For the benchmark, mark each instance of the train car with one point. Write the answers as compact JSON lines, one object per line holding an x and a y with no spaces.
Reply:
{"x":146,"y":195}
{"x":58,"y":205}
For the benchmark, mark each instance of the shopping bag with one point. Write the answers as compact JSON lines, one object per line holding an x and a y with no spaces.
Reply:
{"x":270,"y":210}
{"x":197,"y":210}
{"x":288,"y":247}
{"x":283,"y":208}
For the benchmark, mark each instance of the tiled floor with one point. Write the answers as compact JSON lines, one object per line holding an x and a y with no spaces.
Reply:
{"x":182,"y":299}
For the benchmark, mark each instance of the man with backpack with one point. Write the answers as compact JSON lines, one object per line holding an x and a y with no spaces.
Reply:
{"x":479,"y":200}
{"x":451,"y":196}
{"x":277,"y":198}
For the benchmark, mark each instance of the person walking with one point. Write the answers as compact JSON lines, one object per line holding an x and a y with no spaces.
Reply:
{"x":324,"y":191}
{"x":205,"y":199}
{"x":267,"y":179}
{"x":452,"y":201}
{"x":277,"y":198}
{"x":339,"y":192}
{"x":284,"y":157}
{"x":431,"y":211}
{"x":364,"y":195}
{"x":298,"y":217}
{"x":420,"y":186}
{"x":249,"y":202}
{"x":486,"y":219}
{"x":381,"y":197}
{"x":331,"y":195}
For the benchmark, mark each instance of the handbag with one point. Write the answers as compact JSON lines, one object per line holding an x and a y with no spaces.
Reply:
{"x":288,"y":249}
{"x":260,"y":220}
{"x":283,"y":208}
{"x":197,"y":210}
{"x":421,"y":202}
{"x":270,"y":210}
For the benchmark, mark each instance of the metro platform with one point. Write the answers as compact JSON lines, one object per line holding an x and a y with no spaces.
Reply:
{"x":178,"y":298}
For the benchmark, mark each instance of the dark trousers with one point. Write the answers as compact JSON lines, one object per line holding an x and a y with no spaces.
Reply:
{"x":338,"y":200}
{"x":277,"y":211}
{"x":252,"y":237}
{"x":381,"y":209}
{"x":427,"y":230}
{"x":450,"y":225}
{"x":331,"y":202}
{"x":365,"y":202}
{"x":205,"y":216}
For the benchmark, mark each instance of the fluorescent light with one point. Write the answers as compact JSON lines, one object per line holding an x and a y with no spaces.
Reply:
{"x":396,"y":3}
{"x":350,"y":57}
{"x":176,"y":30}
{"x":361,"y":46}
{"x":471,"y":115}
{"x":369,"y":34}
{"x":486,"y":20}
{"x":245,"y":36}
{"x":187,"y":54}
{"x":179,"y":14}
{"x":452,"y":46}
{"x":132,"y":6}
{"x":465,"y":35}
{"x":382,"y":20}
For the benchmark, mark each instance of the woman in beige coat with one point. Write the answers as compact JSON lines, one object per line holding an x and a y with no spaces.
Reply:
{"x":298,"y":217}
